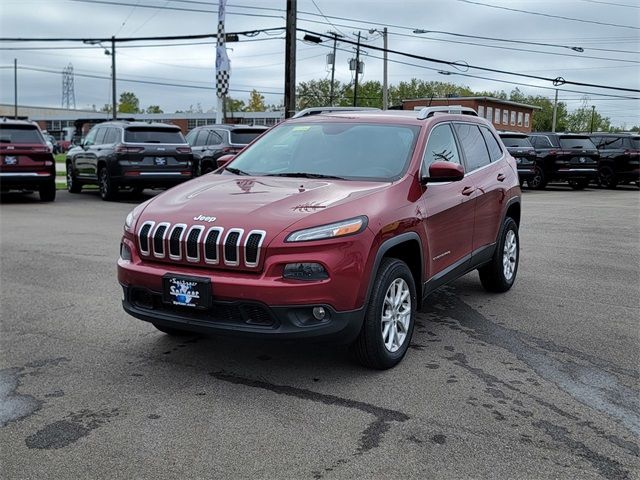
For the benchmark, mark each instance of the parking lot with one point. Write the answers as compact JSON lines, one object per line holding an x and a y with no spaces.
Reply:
{"x":540,"y":382}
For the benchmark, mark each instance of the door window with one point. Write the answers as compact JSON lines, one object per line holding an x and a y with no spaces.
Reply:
{"x":214,"y":138}
{"x":100,"y":135}
{"x":191,"y":137}
{"x":91,"y":137}
{"x":441,"y":146}
{"x":111,"y":137}
{"x":201,"y":140}
{"x":495,"y":152}
{"x":473,"y":146}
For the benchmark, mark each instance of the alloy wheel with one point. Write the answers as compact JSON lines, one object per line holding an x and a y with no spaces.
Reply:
{"x":396,"y":315}
{"x":509,"y":255}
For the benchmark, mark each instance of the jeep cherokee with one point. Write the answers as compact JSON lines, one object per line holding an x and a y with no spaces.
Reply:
{"x":329,"y":227}
{"x":137,"y":155}
{"x":26,"y":162}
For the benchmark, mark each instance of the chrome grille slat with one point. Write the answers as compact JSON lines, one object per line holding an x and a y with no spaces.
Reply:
{"x":193,"y":243}
{"x":158,"y":239}
{"x":211,"y":243}
{"x":252,"y":246}
{"x":175,"y":241}
{"x":231,"y":248}
{"x":143,"y":237}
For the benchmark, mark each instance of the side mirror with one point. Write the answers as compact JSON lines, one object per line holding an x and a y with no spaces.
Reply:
{"x":444,"y":172}
{"x":224,"y":160}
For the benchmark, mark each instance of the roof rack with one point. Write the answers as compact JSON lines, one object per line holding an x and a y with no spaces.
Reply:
{"x":320,"y":110}
{"x":428,"y":112}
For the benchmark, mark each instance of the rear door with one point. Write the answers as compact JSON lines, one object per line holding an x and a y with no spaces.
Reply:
{"x":82,"y":159}
{"x":449,"y":207}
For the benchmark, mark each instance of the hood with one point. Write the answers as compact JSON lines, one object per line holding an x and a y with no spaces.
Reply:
{"x":252,"y":203}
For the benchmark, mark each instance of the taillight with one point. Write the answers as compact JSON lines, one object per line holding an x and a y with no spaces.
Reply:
{"x":229,"y":150}
{"x":183,"y":149}
{"x":553,"y":152}
{"x":631,"y":153}
{"x":124,"y":149}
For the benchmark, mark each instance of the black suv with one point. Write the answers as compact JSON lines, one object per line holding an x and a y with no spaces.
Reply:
{"x":564,"y":156}
{"x":210,"y":142}
{"x":137,"y":155}
{"x":619,"y":158}
{"x":520,"y":148}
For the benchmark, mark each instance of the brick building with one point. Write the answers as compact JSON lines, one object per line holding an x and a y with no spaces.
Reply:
{"x":503,"y":114}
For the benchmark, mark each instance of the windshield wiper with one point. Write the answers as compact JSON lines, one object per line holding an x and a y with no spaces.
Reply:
{"x":304,"y":175}
{"x":236,"y":171}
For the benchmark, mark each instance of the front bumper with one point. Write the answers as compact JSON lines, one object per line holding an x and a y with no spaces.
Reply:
{"x":245,"y":318}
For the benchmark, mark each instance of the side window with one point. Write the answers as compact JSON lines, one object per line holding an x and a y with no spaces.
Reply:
{"x":214,"y":138}
{"x":441,"y":146}
{"x":100,"y":135}
{"x":191,"y":137}
{"x":473,"y":146}
{"x":111,"y":137}
{"x":201,"y":140}
{"x":495,"y":152}
{"x":91,"y":137}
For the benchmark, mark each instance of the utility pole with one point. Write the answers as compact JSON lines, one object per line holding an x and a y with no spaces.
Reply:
{"x":290,"y":60}
{"x":355,"y":87}
{"x":593,"y":116}
{"x":333,"y":65}
{"x":555,"y":112}
{"x":385,"y":84}
{"x":15,"y":88}
{"x":114,"y":100}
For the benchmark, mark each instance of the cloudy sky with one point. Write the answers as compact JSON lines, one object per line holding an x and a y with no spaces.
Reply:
{"x":607,"y":30}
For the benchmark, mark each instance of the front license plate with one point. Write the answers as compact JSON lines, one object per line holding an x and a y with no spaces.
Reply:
{"x":10,"y":160}
{"x":188,"y":292}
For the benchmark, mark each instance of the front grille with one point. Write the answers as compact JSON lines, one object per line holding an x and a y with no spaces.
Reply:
{"x":198,"y":245}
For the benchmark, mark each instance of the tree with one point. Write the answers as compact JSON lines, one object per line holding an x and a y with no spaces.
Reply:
{"x":317,"y":93}
{"x":416,"y":88}
{"x":154,"y":109}
{"x":235,"y":105}
{"x":106,"y":108}
{"x":129,"y":103}
{"x":369,"y":95}
{"x":587,"y":119}
{"x":256,"y":102}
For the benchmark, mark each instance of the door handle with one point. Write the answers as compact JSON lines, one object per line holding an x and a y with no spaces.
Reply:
{"x":468,"y":190}
{"x":501,"y":177}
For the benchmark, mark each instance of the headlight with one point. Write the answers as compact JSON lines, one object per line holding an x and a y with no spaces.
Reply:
{"x":333,"y":230}
{"x":128,"y":222}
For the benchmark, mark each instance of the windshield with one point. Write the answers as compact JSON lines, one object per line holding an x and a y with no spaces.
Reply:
{"x":19,"y":134}
{"x":243,"y":137}
{"x":345,"y":150}
{"x":152,"y":135}
{"x":577,"y":142}
{"x":516,"y":142}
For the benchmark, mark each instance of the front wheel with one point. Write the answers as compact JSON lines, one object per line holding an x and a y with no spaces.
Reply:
{"x":539,"y":180}
{"x":72,"y":182}
{"x":389,"y":319}
{"x":500,"y":274}
{"x":47,"y":191}
{"x":607,"y":177}
{"x":108,"y":190}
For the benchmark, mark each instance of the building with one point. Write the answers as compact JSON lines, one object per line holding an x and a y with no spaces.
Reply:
{"x":503,"y":114}
{"x":55,"y":120}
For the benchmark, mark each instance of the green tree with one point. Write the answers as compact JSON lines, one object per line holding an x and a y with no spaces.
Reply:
{"x":235,"y":105}
{"x":416,"y":88}
{"x":317,"y":93}
{"x":586,"y":119}
{"x":369,"y":95}
{"x":256,"y":102}
{"x":154,"y":109}
{"x":129,"y":103}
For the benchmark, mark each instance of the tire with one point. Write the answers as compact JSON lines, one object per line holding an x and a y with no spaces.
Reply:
{"x":580,"y":184}
{"x":207,"y":167}
{"x":137,"y":190}
{"x":539,"y":179}
{"x":607,"y":176}
{"x":373,"y":348}
{"x":174,"y":332}
{"x":72,"y":182}
{"x":495,"y":276}
{"x":108,"y":190}
{"x":47,"y":191}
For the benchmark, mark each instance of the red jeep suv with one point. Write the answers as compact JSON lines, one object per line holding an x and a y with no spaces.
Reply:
{"x":26,"y":162}
{"x":330,"y":227}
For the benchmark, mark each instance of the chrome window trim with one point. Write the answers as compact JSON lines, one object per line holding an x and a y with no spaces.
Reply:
{"x":148,"y":251}
{"x":184,"y":229}
{"x":164,"y":237}
{"x":263,"y":235}
{"x":186,"y":246}
{"x":220,"y":231}
{"x":224,"y":253}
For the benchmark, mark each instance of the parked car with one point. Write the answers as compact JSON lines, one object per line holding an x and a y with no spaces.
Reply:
{"x":331,"y":227}
{"x":619,"y":158}
{"x":210,"y":142}
{"x":566,"y":157}
{"x":519,"y":146}
{"x":136,"y":155}
{"x":26,"y":162}
{"x":52,"y":143}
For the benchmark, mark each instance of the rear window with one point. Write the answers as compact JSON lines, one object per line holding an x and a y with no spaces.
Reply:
{"x":577,"y":142}
{"x":153,"y":135}
{"x":635,"y":142}
{"x":20,"y":134}
{"x":244,"y":136}
{"x":516,"y":142}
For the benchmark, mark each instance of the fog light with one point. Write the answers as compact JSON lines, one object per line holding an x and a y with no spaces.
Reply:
{"x":305,"y":271}
{"x":125,"y":252}
{"x":319,"y":313}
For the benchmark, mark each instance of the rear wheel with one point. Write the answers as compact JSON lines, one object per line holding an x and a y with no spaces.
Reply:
{"x":108,"y":190}
{"x":207,"y":167}
{"x":388,"y":324}
{"x":580,"y":184}
{"x":539,"y":180}
{"x":608,"y":178}
{"x":47,"y":191}
{"x":72,"y":182}
{"x":174,"y":332}
{"x":500,"y":274}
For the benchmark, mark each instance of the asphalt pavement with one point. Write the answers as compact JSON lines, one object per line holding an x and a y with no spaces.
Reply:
{"x":540,"y":382}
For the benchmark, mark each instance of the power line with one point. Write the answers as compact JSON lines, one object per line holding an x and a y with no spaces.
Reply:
{"x":561,"y":17}
{"x":611,"y":3}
